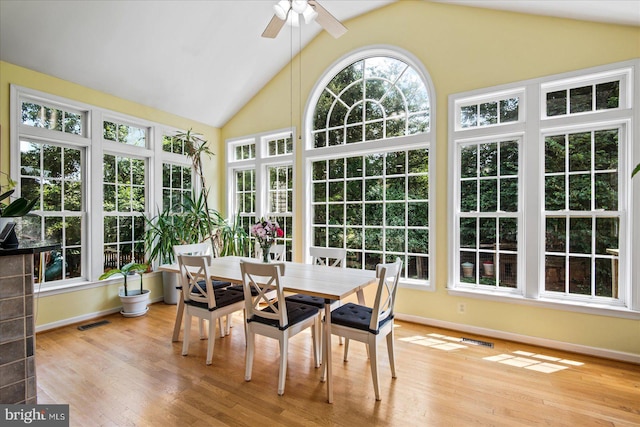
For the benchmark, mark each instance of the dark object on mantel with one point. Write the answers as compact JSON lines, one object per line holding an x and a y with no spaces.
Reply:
{"x":8,"y":238}
{"x":29,"y":248}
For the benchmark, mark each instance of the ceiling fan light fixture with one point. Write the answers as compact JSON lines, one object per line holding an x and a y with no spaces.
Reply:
{"x":309,"y":14}
{"x":299,"y":6}
{"x":281,"y":9}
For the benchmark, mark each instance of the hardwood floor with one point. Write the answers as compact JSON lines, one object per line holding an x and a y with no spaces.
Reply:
{"x":128,"y":372}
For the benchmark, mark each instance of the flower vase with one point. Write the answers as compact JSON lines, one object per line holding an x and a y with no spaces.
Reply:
{"x":266,"y":249}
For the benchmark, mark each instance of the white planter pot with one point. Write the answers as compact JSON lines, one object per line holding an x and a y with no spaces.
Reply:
{"x":134,"y":304}
{"x":488,"y":269}
{"x":169,"y":283}
{"x":467,"y":269}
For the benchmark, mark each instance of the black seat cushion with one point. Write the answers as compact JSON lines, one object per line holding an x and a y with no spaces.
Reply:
{"x":308,"y":299}
{"x":355,"y":316}
{"x":295,"y":313}
{"x":217,"y":284}
{"x":223,"y":298}
{"x":254,"y":292}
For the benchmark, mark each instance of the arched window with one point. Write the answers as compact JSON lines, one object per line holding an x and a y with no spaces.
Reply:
{"x":371,"y":99}
{"x":367,"y":162}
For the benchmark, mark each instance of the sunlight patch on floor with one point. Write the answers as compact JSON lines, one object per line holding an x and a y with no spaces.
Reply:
{"x":520,"y":359}
{"x":441,"y":342}
{"x":534,"y":361}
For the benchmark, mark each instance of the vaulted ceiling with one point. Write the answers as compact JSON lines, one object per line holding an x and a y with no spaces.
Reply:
{"x":202,"y":60}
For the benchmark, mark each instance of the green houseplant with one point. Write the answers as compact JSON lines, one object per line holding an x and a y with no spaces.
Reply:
{"x":134,"y":302}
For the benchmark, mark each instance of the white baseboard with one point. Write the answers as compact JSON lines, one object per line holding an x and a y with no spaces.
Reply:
{"x":83,"y":318}
{"x":525,"y":339}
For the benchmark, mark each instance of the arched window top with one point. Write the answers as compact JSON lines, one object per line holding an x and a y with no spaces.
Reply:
{"x":373,"y":98}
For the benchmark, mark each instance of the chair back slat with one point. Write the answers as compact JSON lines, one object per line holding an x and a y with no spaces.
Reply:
{"x":334,"y":257}
{"x":196,"y":279}
{"x":263,"y":279}
{"x":388,"y":276}
{"x":203,"y":248}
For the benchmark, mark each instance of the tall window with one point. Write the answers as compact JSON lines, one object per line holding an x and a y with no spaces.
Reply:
{"x":489,"y":212}
{"x":53,"y":174}
{"x":368,"y":163}
{"x":542,"y":197}
{"x":51,"y":170}
{"x":177,"y":177}
{"x":124,"y":207}
{"x":261,"y":170}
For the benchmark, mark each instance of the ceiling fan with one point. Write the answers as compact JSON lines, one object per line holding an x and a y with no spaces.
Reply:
{"x":290,"y":11}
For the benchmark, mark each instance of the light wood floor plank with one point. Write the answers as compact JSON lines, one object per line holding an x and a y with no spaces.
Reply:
{"x":128,"y":372}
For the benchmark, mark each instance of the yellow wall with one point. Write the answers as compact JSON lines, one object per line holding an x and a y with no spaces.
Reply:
{"x":74,"y":305}
{"x":462,"y":48}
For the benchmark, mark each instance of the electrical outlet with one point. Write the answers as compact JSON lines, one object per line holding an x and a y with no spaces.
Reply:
{"x":462,"y":308}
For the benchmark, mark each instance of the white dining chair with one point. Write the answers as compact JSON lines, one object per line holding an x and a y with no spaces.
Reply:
{"x":333,"y":257}
{"x":276,"y":319}
{"x":202,"y":300}
{"x":193,"y":249}
{"x":371,"y":324}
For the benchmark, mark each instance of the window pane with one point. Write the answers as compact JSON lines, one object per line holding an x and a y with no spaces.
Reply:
{"x":509,"y":110}
{"x":607,"y":95}
{"x":557,"y":103}
{"x":580,"y":99}
{"x":488,"y":114}
{"x":580,"y":151}
{"x":554,"y":156}
{"x":555,"y":234}
{"x":468,"y":116}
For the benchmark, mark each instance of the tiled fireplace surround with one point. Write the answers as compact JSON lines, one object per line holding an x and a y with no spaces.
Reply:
{"x":17,"y":329}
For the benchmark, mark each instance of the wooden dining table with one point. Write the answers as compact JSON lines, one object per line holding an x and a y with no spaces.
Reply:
{"x":329,"y":283}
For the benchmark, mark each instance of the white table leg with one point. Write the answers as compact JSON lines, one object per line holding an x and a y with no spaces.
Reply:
{"x":326,"y":349}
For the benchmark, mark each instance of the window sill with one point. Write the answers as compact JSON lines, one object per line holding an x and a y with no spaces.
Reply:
{"x":551,"y":303}
{"x":420,"y":285}
{"x":75,"y":286}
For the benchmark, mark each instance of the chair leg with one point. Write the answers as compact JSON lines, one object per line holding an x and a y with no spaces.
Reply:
{"x":315,"y":336}
{"x":187,"y":332}
{"x":221,"y":327}
{"x":228,"y":330}
{"x":346,"y":349}
{"x":179,"y":314}
{"x":245,"y":324}
{"x":373,"y":351}
{"x":284,"y":350}
{"x":390,"y":350}
{"x":201,"y":328}
{"x":249,"y":355}
{"x":212,"y":341}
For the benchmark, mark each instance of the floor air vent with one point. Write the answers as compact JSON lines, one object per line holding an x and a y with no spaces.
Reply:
{"x":92,"y":325}
{"x":477,"y":342}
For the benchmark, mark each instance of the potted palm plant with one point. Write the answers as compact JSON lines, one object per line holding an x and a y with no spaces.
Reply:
{"x":135,"y":301}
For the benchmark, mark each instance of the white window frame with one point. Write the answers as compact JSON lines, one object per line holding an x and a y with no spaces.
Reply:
{"x":415,"y":141}
{"x":95,"y":147}
{"x":260,"y":163}
{"x":533,"y":129}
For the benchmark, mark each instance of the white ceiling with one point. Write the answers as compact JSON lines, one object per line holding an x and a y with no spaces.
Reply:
{"x":202,"y":60}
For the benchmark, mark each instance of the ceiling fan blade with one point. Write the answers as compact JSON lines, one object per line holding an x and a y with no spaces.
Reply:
{"x":327,"y":20}
{"x":273,"y":28}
